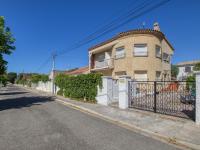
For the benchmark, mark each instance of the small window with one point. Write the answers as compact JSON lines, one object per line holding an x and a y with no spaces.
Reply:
{"x":158,"y":51}
{"x":140,"y":50}
{"x":100,"y":57}
{"x":166,"y":57}
{"x":120,"y":53}
{"x":158,"y":75}
{"x":141,"y":75}
{"x":188,"y":69}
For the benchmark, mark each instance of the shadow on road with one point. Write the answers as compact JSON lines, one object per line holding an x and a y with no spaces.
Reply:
{"x":17,"y":103}
{"x":13,"y":93}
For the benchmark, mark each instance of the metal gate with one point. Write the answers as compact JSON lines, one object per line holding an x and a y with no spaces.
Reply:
{"x":166,"y":97}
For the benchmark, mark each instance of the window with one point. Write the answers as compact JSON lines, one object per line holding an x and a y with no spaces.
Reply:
{"x":158,"y":75}
{"x":166,"y":57}
{"x":140,"y":50}
{"x":158,"y":51}
{"x":141,"y":75}
{"x":188,"y":69}
{"x":100,"y":57}
{"x":120,"y":53}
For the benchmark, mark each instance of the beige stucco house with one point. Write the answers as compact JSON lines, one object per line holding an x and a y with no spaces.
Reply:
{"x":143,"y":54}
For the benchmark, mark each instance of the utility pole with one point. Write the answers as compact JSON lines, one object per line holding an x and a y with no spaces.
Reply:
{"x":53,"y":70}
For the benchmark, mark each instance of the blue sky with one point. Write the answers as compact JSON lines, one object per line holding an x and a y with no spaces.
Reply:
{"x":43,"y":26}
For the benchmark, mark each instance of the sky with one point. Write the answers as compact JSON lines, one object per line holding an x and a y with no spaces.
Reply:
{"x":43,"y":27}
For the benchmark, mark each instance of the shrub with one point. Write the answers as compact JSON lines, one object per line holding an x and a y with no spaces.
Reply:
{"x":190,"y":82}
{"x":3,"y":80}
{"x":79,"y":87}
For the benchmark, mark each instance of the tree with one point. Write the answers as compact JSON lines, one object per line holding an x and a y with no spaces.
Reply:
{"x":3,"y":80}
{"x":6,"y":44}
{"x":174,"y":71}
{"x":197,"y":67}
{"x":11,"y":76}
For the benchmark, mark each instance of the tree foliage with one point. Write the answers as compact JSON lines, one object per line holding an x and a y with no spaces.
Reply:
{"x":3,"y":80}
{"x":6,"y":44}
{"x":79,"y":87}
{"x":190,"y":82}
{"x":29,"y":78}
{"x":174,"y":71}
{"x":11,"y":76}
{"x":197,"y":67}
{"x":35,"y":78}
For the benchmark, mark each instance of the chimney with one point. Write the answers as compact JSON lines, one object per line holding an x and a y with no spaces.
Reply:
{"x":156,"y":26}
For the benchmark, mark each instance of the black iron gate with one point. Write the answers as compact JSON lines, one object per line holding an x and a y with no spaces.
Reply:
{"x":166,"y":97}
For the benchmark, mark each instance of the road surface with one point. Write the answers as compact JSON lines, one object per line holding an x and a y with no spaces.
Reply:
{"x":29,"y":121}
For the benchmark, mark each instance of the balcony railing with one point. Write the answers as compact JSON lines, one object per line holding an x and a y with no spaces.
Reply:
{"x":105,"y":64}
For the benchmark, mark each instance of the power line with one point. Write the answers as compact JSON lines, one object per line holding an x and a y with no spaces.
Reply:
{"x":43,"y":64}
{"x":129,"y":16}
{"x":114,"y":22}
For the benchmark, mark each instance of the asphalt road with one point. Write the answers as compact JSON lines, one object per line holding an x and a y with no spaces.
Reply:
{"x":32,"y":122}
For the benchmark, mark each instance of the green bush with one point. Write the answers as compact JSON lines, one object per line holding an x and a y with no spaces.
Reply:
{"x":190,"y":82}
{"x":28,"y":79}
{"x":81,"y":87}
{"x":3,"y":80}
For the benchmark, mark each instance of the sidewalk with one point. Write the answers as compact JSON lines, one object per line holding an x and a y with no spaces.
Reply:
{"x":173,"y":130}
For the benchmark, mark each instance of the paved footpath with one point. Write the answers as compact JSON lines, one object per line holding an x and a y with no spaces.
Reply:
{"x":29,"y":121}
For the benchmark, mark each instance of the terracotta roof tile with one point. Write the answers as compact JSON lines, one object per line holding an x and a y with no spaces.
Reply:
{"x":130,"y":32}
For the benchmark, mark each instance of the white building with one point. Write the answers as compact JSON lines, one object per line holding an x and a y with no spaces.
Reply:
{"x":186,"y":69}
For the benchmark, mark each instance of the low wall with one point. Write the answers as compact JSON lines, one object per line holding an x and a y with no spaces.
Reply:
{"x":45,"y":86}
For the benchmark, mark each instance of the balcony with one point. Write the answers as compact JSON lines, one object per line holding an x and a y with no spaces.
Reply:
{"x":103,"y":65}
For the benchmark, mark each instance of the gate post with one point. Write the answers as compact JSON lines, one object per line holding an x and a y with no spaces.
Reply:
{"x":197,"y":106}
{"x":123,"y":91}
{"x":155,"y":97}
{"x":104,"y":94}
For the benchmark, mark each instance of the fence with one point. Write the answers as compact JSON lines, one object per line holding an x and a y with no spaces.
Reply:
{"x":171,"y":98}
{"x":181,"y":99}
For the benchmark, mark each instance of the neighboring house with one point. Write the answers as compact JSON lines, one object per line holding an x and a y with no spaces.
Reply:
{"x":186,"y":69}
{"x":73,"y":72}
{"x":143,"y":54}
{"x":82,"y":70}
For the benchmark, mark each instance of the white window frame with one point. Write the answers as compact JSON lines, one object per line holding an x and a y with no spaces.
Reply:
{"x":141,"y":72}
{"x":158,"y":51}
{"x":167,"y":59}
{"x":141,"y":52}
{"x":158,"y":78}
{"x":120,"y":52}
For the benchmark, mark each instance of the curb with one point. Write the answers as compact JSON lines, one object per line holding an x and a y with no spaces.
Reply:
{"x":173,"y":141}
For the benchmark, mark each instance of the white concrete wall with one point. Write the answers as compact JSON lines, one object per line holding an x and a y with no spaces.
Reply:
{"x":104,"y":94}
{"x":45,"y":86}
{"x":123,"y":91}
{"x":197,"y":115}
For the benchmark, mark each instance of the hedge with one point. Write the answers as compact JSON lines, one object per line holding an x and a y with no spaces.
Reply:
{"x":81,"y":87}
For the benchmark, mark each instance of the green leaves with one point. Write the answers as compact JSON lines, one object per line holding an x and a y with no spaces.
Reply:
{"x":197,"y":67}
{"x":174,"y":71}
{"x":81,"y":87}
{"x":6,"y":44}
{"x":12,"y":77}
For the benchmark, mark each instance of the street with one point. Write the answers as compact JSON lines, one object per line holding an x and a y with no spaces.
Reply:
{"x":32,"y":122}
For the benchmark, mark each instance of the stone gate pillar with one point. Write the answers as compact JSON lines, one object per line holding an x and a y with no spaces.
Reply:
{"x":197,"y":113}
{"x":104,"y":94}
{"x":123,"y":91}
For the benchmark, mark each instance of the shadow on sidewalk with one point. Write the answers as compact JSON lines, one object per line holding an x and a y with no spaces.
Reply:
{"x":17,"y":103}
{"x":13,"y":93}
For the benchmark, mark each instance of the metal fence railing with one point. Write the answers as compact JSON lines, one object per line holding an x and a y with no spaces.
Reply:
{"x":175,"y":98}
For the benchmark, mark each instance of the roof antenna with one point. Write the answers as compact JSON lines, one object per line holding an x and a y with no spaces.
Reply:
{"x":143,"y":25}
